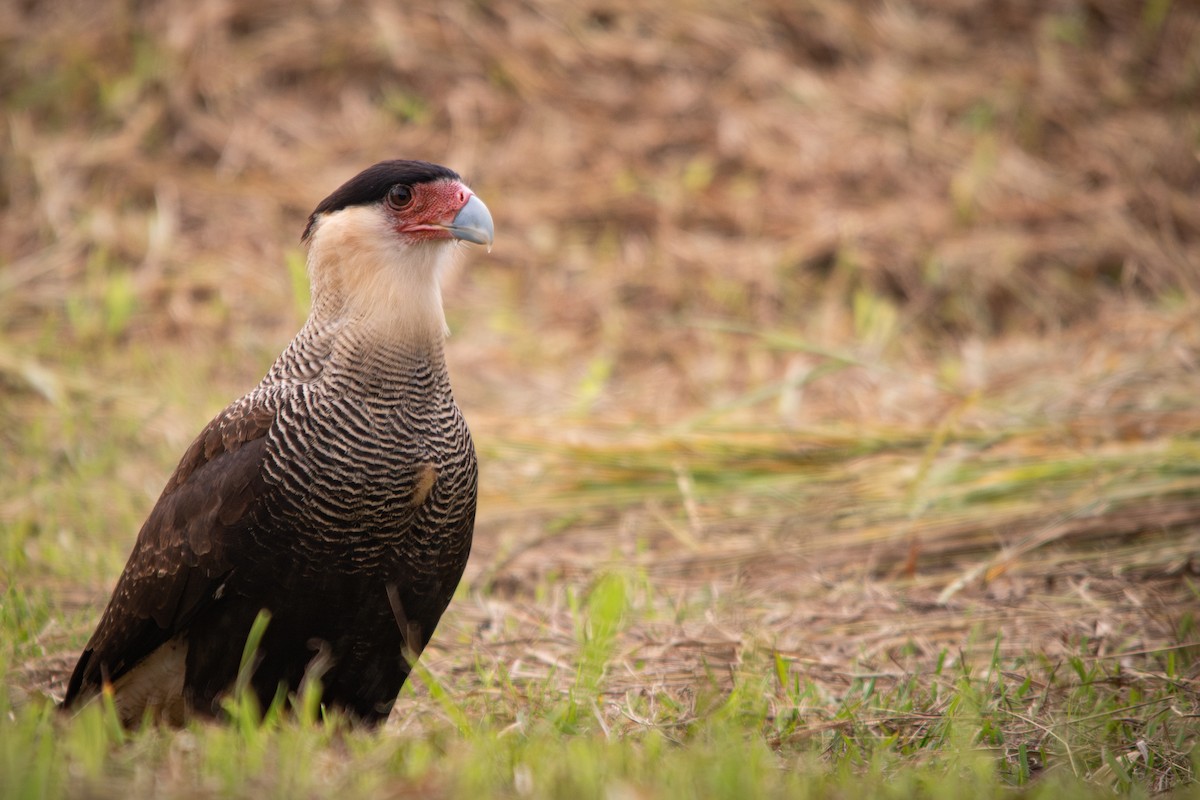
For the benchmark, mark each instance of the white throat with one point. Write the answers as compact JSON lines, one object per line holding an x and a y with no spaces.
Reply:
{"x":363,"y":274}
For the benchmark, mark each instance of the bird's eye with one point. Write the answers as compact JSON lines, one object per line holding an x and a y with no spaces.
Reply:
{"x":400,"y":196}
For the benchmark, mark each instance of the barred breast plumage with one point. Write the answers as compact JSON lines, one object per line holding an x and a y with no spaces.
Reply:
{"x":338,"y":495}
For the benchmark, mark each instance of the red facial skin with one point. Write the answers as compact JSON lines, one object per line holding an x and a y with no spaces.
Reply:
{"x":429,"y":210}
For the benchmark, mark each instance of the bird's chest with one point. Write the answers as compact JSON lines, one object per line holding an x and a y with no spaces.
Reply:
{"x":350,"y":468}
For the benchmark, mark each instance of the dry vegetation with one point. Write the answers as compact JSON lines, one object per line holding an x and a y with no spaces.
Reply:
{"x":862,"y":338}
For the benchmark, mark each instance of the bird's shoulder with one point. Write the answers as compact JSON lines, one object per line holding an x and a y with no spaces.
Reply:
{"x":243,"y":421}
{"x":208,"y":498}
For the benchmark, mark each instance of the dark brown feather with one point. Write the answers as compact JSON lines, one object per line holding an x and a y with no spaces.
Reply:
{"x":179,"y":559}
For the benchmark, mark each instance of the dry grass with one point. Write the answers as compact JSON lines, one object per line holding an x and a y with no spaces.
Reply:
{"x":866,"y":335}
{"x":766,"y":164}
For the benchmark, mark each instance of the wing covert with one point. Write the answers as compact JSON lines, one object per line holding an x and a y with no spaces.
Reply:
{"x":183,"y":551}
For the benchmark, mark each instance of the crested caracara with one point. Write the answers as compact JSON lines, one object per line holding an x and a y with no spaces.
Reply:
{"x":338,"y":495}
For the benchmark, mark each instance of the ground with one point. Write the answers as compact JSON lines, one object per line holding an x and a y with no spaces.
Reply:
{"x":835,"y":377}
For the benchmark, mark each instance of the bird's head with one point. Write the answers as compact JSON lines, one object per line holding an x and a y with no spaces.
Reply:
{"x":378,"y":245}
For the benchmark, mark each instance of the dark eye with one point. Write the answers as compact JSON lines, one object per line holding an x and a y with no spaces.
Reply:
{"x":399,"y":196}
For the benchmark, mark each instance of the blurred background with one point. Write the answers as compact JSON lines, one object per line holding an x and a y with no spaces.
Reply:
{"x":785,"y":293}
{"x":674,"y":189}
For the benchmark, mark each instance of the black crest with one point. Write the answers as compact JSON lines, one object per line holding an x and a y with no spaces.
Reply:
{"x":373,"y":183}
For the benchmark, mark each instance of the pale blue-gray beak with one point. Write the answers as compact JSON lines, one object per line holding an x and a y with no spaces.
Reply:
{"x":473,"y":223}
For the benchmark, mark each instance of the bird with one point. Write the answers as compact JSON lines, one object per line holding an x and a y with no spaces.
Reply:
{"x":336,"y":499}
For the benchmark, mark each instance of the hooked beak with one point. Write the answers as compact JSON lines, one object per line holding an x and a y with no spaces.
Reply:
{"x":473,"y":223}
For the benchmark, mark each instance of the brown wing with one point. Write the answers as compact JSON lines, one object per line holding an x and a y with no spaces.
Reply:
{"x":183,"y":552}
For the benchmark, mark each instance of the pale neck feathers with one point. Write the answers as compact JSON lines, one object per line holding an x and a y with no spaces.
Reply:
{"x":363,"y":275}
